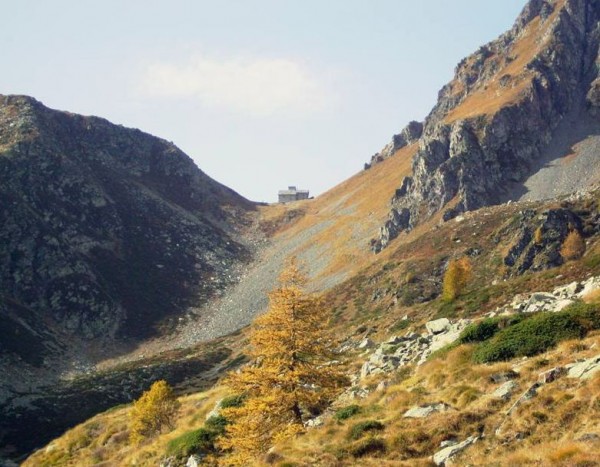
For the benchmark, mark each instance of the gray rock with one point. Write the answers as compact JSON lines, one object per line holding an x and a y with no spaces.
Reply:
{"x":504,"y":376}
{"x":505,"y":391}
{"x":438,"y":326}
{"x":443,"y":456}
{"x":551,"y":375}
{"x":530,"y":393}
{"x":567,"y":291}
{"x":425,"y":410}
{"x":585,"y":369}
{"x":589,"y":286}
{"x":540,"y":301}
{"x":560,"y":305}
{"x":314,"y":422}
{"x":448,"y":442}
{"x":366,"y":343}
{"x":193,"y":461}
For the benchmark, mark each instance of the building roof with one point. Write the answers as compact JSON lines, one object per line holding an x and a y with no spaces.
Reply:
{"x":292,"y":192}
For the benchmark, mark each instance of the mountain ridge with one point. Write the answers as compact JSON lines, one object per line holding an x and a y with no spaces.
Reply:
{"x":108,"y":236}
{"x":499,"y":114}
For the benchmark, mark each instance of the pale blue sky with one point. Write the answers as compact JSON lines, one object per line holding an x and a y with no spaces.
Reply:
{"x":260,"y":93}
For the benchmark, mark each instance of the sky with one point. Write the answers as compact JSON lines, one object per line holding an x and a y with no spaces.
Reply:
{"x":261,"y":94}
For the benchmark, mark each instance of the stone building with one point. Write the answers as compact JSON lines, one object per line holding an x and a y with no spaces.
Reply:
{"x":292,"y":194}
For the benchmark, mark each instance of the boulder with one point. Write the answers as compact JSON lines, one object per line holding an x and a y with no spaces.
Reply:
{"x":443,"y":456}
{"x":425,"y":410}
{"x":589,"y":286}
{"x":438,"y":326}
{"x":314,"y":422}
{"x":193,"y":461}
{"x":585,"y":369}
{"x":505,"y":391}
{"x":366,"y":343}
{"x":560,"y":305}
{"x":567,"y":291}
{"x":503,"y":376}
{"x":527,"y":395}
{"x":367,"y":369}
{"x":448,"y":442}
{"x":539,"y":301}
{"x":551,"y":375}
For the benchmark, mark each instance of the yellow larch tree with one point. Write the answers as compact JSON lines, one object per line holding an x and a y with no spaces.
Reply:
{"x":456,"y":278}
{"x":573,"y":247}
{"x":153,"y":411}
{"x":290,"y":372}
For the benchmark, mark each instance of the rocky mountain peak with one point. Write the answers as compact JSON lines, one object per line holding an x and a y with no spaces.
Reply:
{"x":517,"y":104}
{"x":104,"y":230}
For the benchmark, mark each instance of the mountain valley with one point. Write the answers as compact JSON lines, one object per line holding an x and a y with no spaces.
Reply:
{"x":123,"y":264}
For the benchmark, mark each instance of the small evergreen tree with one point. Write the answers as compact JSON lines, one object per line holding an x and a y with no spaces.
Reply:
{"x":573,"y":247}
{"x":456,"y":278}
{"x":154,"y":410}
{"x":290,"y":372}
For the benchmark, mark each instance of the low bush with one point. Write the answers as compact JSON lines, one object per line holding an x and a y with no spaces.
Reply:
{"x":346,"y":412}
{"x":487,"y":328}
{"x":368,"y":446}
{"x":193,"y":442}
{"x":200,"y":441}
{"x":361,"y":428}
{"x":216,"y":423}
{"x":538,"y":333}
{"x":232,"y":401}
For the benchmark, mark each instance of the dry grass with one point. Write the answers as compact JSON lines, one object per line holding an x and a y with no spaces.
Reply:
{"x":104,"y":439}
{"x":592,"y":297}
{"x":345,"y":217}
{"x":491,"y":96}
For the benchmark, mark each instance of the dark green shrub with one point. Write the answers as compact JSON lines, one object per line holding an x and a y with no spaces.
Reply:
{"x":368,"y":446}
{"x":361,"y":428}
{"x":193,"y":442}
{"x":479,"y":332}
{"x":538,"y":333}
{"x":487,"y":328}
{"x":198,"y":441}
{"x":216,"y":423}
{"x":232,"y":401}
{"x":346,"y":412}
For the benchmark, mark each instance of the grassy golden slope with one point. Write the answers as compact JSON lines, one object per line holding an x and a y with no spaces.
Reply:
{"x":491,"y":95}
{"x":548,"y":424}
{"x":373,"y":302}
{"x":342,"y":220}
{"x":104,"y":439}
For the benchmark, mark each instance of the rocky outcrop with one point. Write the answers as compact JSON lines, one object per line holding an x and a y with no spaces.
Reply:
{"x":553,"y":301}
{"x":499,"y":114}
{"x":443,"y":456}
{"x":505,"y":391}
{"x":585,"y":369}
{"x":412,"y":348}
{"x":539,"y":239}
{"x":425,"y":411}
{"x":409,"y":135}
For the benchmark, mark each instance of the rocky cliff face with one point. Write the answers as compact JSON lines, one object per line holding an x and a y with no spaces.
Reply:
{"x":503,"y":113}
{"x":105,"y":232}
